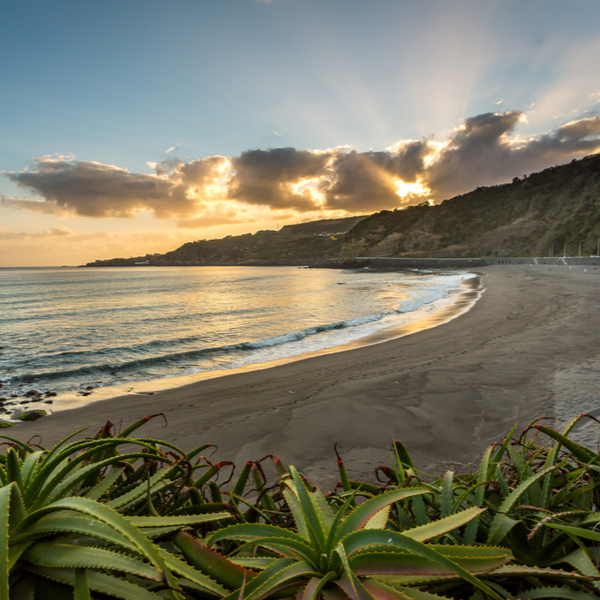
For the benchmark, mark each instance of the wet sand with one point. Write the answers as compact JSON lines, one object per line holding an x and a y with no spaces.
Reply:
{"x":446,"y":392}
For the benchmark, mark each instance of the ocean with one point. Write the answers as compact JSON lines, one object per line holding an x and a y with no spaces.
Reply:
{"x":74,"y":330}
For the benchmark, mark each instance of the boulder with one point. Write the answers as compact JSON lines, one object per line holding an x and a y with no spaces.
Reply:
{"x":32,"y":415}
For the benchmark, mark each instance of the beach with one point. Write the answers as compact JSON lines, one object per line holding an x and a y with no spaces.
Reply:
{"x":446,"y":392}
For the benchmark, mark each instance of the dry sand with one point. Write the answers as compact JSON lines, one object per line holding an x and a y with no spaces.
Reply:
{"x":445,"y":392}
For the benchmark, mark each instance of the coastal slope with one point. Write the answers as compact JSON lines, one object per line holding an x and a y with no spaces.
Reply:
{"x":445,"y":392}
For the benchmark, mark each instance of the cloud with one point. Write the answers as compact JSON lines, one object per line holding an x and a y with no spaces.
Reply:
{"x":36,"y":206}
{"x":92,"y":189}
{"x":172,"y":148}
{"x":264,"y":184}
{"x":54,"y":232}
{"x":275,"y":177}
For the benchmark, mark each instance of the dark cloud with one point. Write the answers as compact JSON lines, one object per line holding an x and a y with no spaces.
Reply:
{"x":217,"y":190}
{"x":267,"y":177}
{"x":366,"y":181}
{"x":92,"y":189}
{"x":481,"y":152}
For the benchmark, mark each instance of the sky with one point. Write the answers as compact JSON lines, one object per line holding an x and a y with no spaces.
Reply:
{"x":131,"y":127}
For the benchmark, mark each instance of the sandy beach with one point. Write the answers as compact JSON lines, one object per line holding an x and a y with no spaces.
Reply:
{"x":526,"y":349}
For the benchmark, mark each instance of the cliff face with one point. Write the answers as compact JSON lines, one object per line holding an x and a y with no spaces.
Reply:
{"x":524,"y":218}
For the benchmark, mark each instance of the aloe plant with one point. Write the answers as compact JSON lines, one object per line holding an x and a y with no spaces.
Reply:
{"x":58,"y":532}
{"x":347,"y":554}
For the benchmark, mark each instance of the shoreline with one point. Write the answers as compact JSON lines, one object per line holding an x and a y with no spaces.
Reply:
{"x":446,"y":392}
{"x":457,"y":300}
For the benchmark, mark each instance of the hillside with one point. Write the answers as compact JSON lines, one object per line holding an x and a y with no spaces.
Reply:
{"x":532,"y":216}
{"x":299,"y":244}
{"x":560,"y":205}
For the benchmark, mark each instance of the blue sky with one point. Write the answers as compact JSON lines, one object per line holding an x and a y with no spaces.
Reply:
{"x":97,"y":91}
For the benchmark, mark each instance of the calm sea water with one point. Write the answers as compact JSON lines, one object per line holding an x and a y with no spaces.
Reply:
{"x":65,"y":329}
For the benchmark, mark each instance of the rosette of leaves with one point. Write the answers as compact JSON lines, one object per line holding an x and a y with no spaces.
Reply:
{"x":541,"y":504}
{"x":57,"y":540}
{"x":341,"y":555}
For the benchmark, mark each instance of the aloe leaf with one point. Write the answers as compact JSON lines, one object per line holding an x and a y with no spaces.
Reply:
{"x":13,"y":469}
{"x":59,"y":555}
{"x":293,"y":503}
{"x":182,"y":520}
{"x":580,"y":452}
{"x":324,"y":508}
{"x":345,"y":480}
{"x":82,"y":590}
{"x":251,"y":531}
{"x":240,"y":484}
{"x":500,"y":452}
{"x":315,"y":585}
{"x":556,"y":592}
{"x":200,"y":579}
{"x":447,"y":490}
{"x":5,"y":493}
{"x":59,"y":461}
{"x":442,"y":526}
{"x":30,"y":463}
{"x":210,"y":562}
{"x":501,"y":523}
{"x":105,"y":515}
{"x":400,"y":562}
{"x":24,"y":589}
{"x":98,"y":582}
{"x":361,"y":539}
{"x":60,"y":485}
{"x":379,"y":519}
{"x":314,"y":522}
{"x":286,"y":547}
{"x":68,"y":523}
{"x":105,"y":484}
{"x":284,"y":577}
{"x":577,"y":532}
{"x":525,"y":571}
{"x":580,"y":560}
{"x":382,"y":591}
{"x":353,"y":587}
{"x":19,"y":443}
{"x":138,"y":491}
{"x":358,"y":591}
{"x":359,"y":517}
{"x":253,"y":562}
{"x":134,"y":426}
{"x":333,"y":530}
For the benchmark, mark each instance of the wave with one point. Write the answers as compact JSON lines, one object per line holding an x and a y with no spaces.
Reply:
{"x":117,"y":369}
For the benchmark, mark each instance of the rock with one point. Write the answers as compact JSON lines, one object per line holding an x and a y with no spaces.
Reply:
{"x":32,"y":415}
{"x":89,"y":387}
{"x":32,"y":393}
{"x":85,"y":393}
{"x":25,"y":401}
{"x":48,"y":401}
{"x":51,"y":394}
{"x":2,"y":409}
{"x":5,"y":424}
{"x":14,"y":395}
{"x":1,"y":385}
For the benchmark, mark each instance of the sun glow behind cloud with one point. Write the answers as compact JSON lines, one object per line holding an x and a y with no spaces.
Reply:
{"x":411,"y":190}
